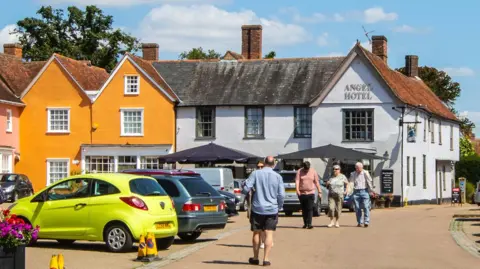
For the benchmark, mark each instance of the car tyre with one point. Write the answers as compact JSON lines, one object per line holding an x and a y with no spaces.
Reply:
{"x":288,"y":213}
{"x":118,"y":238}
{"x":189,"y":237}
{"x":317,"y":209}
{"x":65,"y":241}
{"x":165,"y":243}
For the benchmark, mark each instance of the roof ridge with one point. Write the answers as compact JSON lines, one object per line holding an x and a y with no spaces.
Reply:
{"x":249,"y":60}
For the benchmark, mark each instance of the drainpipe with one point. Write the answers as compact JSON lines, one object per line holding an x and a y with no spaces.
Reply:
{"x":401,"y":162}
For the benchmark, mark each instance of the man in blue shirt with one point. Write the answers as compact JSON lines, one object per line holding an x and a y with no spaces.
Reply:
{"x":266,"y":201}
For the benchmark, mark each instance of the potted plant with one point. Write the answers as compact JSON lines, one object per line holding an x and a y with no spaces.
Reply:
{"x":15,"y":234}
{"x":388,"y":199}
{"x":380,"y":201}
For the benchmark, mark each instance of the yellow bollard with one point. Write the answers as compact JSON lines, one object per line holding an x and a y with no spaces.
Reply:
{"x":150,"y":246}
{"x":54,"y":262}
{"x":61,"y":263}
{"x":142,"y":250}
{"x":155,"y":250}
{"x":405,"y":204}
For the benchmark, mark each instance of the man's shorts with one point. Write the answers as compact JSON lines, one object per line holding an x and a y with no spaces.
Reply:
{"x":263,"y":222}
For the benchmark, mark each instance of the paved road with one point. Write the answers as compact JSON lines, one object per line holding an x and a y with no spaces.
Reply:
{"x":413,"y":237}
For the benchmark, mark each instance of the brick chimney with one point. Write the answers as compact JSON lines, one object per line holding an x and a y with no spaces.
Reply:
{"x":379,"y":47}
{"x":411,"y":65}
{"x":252,"y":41}
{"x":13,"y":49}
{"x":150,"y":51}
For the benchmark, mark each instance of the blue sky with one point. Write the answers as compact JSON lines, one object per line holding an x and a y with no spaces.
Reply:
{"x":441,"y":34}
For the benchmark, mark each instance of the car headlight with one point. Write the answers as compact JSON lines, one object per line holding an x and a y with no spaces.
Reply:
{"x":9,"y":188}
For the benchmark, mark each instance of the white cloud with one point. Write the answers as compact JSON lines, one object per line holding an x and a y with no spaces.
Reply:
{"x":366,"y":45}
{"x":377,"y":14}
{"x":6,"y":37}
{"x":338,"y":18}
{"x":409,"y":29}
{"x":474,"y":116}
{"x":459,"y":71}
{"x":332,"y":54}
{"x":323,"y":40}
{"x":127,"y":2}
{"x":180,"y":28}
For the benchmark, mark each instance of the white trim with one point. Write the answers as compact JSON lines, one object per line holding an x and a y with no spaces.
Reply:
{"x":125,"y":83}
{"x":132,"y":109}
{"x":110,"y":78}
{"x":49,"y":130}
{"x":11,"y":103}
{"x":67,"y":160}
{"x":9,"y":122}
{"x":29,"y":87}
{"x":9,"y":156}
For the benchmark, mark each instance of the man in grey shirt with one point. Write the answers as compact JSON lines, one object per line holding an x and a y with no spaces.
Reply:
{"x":363,"y":187}
{"x":266,"y":201}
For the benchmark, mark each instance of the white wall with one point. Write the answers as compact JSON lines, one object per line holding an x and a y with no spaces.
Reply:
{"x":230,"y":130}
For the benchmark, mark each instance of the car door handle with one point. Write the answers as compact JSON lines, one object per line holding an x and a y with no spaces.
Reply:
{"x":81,"y":204}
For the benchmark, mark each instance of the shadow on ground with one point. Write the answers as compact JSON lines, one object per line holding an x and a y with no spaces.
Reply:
{"x":234,"y":246}
{"x":227,"y":262}
{"x":75,"y":246}
{"x":181,"y":242}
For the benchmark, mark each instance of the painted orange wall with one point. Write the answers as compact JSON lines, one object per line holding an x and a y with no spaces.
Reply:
{"x":158,"y":117}
{"x":53,"y":89}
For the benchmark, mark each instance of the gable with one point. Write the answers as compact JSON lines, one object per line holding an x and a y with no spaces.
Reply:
{"x":359,"y":84}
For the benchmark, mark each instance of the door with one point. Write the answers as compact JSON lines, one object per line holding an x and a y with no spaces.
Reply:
{"x":65,"y":212}
{"x":438,"y":184}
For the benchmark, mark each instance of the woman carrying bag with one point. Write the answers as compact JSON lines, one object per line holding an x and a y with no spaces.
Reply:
{"x":338,"y":187}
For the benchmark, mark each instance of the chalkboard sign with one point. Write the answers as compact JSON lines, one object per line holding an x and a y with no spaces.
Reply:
{"x":386,"y":181}
{"x":456,"y":197}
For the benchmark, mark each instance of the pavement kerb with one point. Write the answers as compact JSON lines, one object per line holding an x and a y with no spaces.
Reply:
{"x":189,"y":250}
{"x":458,"y":234}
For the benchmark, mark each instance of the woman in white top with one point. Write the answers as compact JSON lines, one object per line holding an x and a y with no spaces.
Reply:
{"x":337,"y":186}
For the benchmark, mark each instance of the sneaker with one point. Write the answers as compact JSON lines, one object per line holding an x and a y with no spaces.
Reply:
{"x":359,"y":225}
{"x":366,"y":225}
{"x":330,"y":225}
{"x":337,"y":225}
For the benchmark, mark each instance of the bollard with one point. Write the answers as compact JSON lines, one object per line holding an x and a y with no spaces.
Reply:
{"x":151,"y":249}
{"x":142,"y":250}
{"x":61,"y":263}
{"x":54,"y":262}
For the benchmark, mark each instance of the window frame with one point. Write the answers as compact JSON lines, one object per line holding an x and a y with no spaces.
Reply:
{"x":408,"y":170}
{"x":89,"y":190}
{"x":125,"y":163}
{"x":122,"y":121}
{"x":451,"y":137}
{"x":425,"y":128}
{"x":432,"y":131}
{"x":9,"y":163}
{"x":57,"y":160}
{"x":92,"y":190}
{"x":440,"y":132}
{"x":309,"y":120}
{"x":125,"y":87}
{"x":200,"y":109}
{"x":49,"y":123}
{"x":444,"y":181}
{"x":344,"y":139}
{"x":9,"y":121}
{"x":145,"y":161}
{"x":424,"y":171}
{"x":245,"y":127}
{"x":414,"y":171}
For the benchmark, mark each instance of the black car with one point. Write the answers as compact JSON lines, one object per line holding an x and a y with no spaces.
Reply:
{"x":231,"y":201}
{"x":15,"y":186}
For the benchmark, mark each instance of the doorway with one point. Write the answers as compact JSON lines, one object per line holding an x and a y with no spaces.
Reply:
{"x":439,"y":176}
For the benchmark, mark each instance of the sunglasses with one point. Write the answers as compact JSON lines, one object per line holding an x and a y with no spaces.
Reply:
{"x":336,"y":169}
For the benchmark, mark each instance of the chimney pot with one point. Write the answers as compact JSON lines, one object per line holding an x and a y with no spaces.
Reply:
{"x":411,"y":65}
{"x":150,"y":51}
{"x":252,"y":41}
{"x":379,"y":47}
{"x":13,"y":49}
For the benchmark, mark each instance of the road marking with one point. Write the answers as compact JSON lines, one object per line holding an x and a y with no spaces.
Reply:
{"x":189,"y":250}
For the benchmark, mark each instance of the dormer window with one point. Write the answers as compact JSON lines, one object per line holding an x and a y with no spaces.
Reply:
{"x":132,"y":85}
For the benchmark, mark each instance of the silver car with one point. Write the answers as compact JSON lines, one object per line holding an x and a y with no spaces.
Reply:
{"x":242,"y":204}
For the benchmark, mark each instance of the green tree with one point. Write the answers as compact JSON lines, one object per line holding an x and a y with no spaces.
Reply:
{"x":466,"y":147}
{"x":199,"y":54}
{"x":81,"y":34}
{"x":271,"y":55}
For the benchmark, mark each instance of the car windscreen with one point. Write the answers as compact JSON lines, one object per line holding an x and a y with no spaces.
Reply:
{"x":198,"y":187}
{"x":236,"y":184}
{"x":289,"y":178}
{"x":146,"y":187}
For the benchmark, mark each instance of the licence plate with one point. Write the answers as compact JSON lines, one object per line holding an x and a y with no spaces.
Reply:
{"x":161,"y":226}
{"x":210,"y":208}
{"x":291,"y":190}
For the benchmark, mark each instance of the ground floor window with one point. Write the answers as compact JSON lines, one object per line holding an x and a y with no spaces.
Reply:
{"x":126,"y":162}
{"x":6,"y":163}
{"x":150,"y":162}
{"x":56,"y":170}
{"x":100,"y":164}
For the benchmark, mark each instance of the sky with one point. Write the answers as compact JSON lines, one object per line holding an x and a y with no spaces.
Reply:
{"x":441,"y":33}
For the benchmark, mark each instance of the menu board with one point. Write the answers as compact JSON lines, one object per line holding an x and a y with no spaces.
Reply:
{"x":386,"y":181}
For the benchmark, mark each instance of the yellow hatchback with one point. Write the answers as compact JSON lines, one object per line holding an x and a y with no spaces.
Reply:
{"x":114,"y":208}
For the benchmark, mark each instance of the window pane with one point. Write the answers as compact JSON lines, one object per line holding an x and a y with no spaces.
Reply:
{"x":131,"y":84}
{"x":71,"y":189}
{"x":170,"y":188}
{"x":150,"y":162}
{"x":303,"y":122}
{"x":358,"y":125}
{"x":132,"y":122}
{"x":100,"y":164}
{"x":254,"y":122}
{"x":146,"y":187}
{"x":205,"y":122}
{"x":104,"y":188}
{"x":196,"y":186}
{"x":57,"y":170}
{"x":58,"y":119}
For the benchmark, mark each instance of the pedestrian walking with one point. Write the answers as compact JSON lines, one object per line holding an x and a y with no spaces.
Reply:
{"x":266,"y":201}
{"x":363,"y":187}
{"x":306,"y":181}
{"x":337,"y":185}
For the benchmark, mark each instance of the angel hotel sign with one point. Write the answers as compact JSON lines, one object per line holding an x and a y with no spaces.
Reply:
{"x":358,"y":92}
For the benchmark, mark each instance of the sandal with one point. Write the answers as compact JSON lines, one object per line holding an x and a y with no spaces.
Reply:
{"x":267,"y":263}
{"x":252,"y":261}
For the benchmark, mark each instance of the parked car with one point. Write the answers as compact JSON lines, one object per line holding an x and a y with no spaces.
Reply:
{"x":114,"y":208}
{"x":292,"y":202}
{"x":242,"y":203}
{"x":220,"y":178}
{"x":477,"y":194}
{"x":231,"y":202}
{"x":198,"y":205}
{"x":15,"y":186}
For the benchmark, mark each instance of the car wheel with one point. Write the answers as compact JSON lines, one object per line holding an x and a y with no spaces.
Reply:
{"x":65,"y":241}
{"x":288,"y":213}
{"x":189,"y":236}
{"x":317,"y":209}
{"x":118,"y":238}
{"x":165,"y":243}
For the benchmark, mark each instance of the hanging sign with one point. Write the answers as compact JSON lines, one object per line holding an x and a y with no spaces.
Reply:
{"x":411,"y":134}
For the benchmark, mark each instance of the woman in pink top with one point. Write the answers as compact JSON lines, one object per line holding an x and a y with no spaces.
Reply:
{"x":306,"y":182}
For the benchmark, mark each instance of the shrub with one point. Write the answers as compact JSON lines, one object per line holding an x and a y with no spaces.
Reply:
{"x":469,"y":168}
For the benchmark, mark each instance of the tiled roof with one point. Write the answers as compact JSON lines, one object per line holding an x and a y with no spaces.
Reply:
{"x":231,"y":55}
{"x":88,"y":76}
{"x":34,"y":67}
{"x":14,"y":73}
{"x":152,"y":72}
{"x":412,"y":91}
{"x":248,"y":82}
{"x":6,"y":94}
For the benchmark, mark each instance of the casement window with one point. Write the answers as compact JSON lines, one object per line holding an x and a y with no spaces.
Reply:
{"x":358,"y":125}
{"x":57,"y":169}
{"x":9,"y":123}
{"x":131,"y":121}
{"x":254,"y":122}
{"x":205,"y":125}
{"x":126,"y":162}
{"x":408,"y":170}
{"x":414,"y":171}
{"x":439,"y":132}
{"x":5,"y":163}
{"x":303,"y":122}
{"x":58,"y":120}
{"x":132,"y":85}
{"x":100,"y":164}
{"x":451,"y":137}
{"x":150,"y":162}
{"x":425,"y":129}
{"x":424,"y":164}
{"x":432,"y":131}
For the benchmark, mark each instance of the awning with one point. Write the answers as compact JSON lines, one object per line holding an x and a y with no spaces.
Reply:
{"x":208,"y":153}
{"x":331,"y":151}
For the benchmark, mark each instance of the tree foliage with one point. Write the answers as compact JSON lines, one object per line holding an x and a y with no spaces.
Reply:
{"x":466,"y":147}
{"x":80,"y":34}
{"x":271,"y":55}
{"x":199,"y":54}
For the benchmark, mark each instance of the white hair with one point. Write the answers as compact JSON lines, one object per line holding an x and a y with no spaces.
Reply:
{"x":359,"y":165}
{"x":336,"y":166}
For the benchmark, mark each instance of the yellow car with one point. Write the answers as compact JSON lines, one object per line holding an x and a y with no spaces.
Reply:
{"x":115,"y":208}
